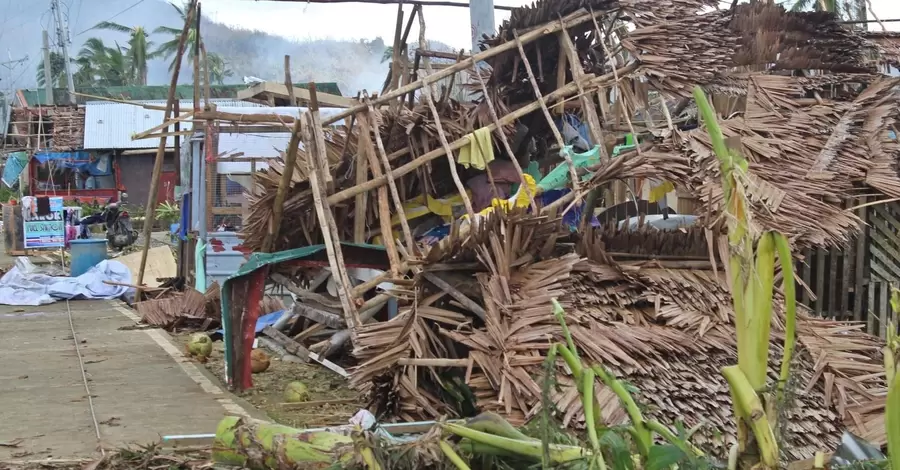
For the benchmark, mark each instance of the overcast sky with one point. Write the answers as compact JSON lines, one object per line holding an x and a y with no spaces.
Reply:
{"x":351,"y":21}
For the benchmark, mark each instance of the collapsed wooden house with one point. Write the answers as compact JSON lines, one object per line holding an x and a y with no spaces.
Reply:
{"x":474,"y":275}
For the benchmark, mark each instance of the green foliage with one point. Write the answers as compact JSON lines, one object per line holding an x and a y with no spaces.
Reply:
{"x":168,"y":212}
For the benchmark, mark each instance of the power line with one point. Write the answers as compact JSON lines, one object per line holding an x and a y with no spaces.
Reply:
{"x":114,"y":16}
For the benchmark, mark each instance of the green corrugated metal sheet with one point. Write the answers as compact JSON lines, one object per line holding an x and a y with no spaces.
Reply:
{"x":36,"y":97}
{"x":261,"y":260}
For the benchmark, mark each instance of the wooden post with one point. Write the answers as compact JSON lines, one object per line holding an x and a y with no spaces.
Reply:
{"x":568,"y":90}
{"x":587,"y":104}
{"x":328,"y":226}
{"x":503,"y":137}
{"x":161,"y":152}
{"x":576,"y":18}
{"x":392,"y":185}
{"x":440,"y":129}
{"x":367,"y":148}
{"x":360,"y":208}
{"x":537,"y":93}
{"x":287,"y":173}
{"x":288,"y":83}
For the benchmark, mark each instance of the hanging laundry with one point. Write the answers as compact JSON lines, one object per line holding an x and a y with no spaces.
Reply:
{"x":480,"y":150}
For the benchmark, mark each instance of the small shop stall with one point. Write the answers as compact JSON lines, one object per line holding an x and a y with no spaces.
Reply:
{"x":76,"y":176}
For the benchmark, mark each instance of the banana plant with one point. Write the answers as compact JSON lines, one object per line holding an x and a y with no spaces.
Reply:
{"x":892,"y":405}
{"x":751,"y":270}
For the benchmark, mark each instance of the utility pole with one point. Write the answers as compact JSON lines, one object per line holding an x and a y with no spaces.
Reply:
{"x":481,"y":13}
{"x":48,"y":70}
{"x":62,"y":32}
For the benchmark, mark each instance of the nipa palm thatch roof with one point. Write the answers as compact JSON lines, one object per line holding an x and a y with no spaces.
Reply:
{"x":665,"y":326}
{"x":653,"y":307}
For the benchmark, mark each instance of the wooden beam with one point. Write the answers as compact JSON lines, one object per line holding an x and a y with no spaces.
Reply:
{"x":301,"y":95}
{"x":392,"y":185}
{"x":286,"y":342}
{"x":290,"y":160}
{"x":455,"y":293}
{"x":287,"y":80}
{"x":328,"y":226}
{"x":374,"y":183}
{"x":574,"y":19}
{"x":367,"y":148}
{"x":150,"y":210}
{"x":435,"y":116}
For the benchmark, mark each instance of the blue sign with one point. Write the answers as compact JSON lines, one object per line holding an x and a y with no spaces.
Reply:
{"x":43,"y":229}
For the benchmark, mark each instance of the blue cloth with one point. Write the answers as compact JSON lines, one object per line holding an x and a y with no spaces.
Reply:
{"x":15,"y":165}
{"x":262,"y":322}
{"x":572,"y":218}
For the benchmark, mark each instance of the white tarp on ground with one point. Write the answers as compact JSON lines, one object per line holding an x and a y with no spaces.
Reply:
{"x":25,"y":285}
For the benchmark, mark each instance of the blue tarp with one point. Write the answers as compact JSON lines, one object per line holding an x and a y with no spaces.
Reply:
{"x":80,"y":161}
{"x":15,"y":165}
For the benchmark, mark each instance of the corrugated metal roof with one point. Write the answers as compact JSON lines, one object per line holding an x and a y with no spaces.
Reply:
{"x":110,"y":125}
{"x":266,"y":145}
{"x":36,"y":97}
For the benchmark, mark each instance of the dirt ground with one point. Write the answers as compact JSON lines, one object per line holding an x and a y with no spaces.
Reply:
{"x":268,"y":390}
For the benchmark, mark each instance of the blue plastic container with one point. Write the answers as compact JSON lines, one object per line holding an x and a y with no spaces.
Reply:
{"x":86,"y":254}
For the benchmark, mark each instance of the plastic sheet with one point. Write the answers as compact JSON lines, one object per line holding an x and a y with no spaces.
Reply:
{"x":26,"y":285}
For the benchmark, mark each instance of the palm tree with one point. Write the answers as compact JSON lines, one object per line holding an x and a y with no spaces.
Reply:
{"x":138,"y":51}
{"x":57,"y":71}
{"x":102,"y":65}
{"x":218,"y":69}
{"x":169,"y":48}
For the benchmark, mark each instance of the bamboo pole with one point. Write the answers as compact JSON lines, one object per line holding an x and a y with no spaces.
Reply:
{"x":587,"y":104}
{"x":161,"y":151}
{"x":576,"y":18}
{"x":543,"y":105}
{"x":503,"y":138}
{"x":327,"y":224}
{"x":392,"y":185}
{"x":287,"y":174}
{"x":426,"y":93}
{"x":197,"y":60}
{"x":374,"y":183}
{"x":367,"y":148}
{"x":360,"y":208}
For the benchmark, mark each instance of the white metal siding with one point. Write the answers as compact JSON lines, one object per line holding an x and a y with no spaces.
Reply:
{"x":109,"y":125}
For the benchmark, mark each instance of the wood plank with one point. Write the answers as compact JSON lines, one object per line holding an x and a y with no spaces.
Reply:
{"x":455,"y":293}
{"x":301,"y":95}
{"x":286,"y":342}
{"x":859,"y":261}
{"x":806,"y":275}
{"x":820,"y":280}
{"x":871,"y":308}
{"x":888,"y":270}
{"x":360,"y":208}
{"x":835,"y":284}
{"x":847,"y":284}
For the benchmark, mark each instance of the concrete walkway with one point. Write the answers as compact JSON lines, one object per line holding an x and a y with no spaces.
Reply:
{"x":140,"y":384}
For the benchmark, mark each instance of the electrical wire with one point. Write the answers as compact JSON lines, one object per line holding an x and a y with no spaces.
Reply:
{"x":113,"y":17}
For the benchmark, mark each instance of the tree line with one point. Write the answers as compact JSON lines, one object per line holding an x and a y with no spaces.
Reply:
{"x":99,"y":64}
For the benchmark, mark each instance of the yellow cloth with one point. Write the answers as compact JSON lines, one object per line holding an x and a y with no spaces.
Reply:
{"x":519,"y":200}
{"x":659,"y":192}
{"x":480,"y":150}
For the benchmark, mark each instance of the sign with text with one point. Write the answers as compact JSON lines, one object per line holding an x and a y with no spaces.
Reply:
{"x":44,"y":227}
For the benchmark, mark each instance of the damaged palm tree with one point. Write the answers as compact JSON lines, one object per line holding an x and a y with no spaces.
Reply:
{"x":752,"y":275}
